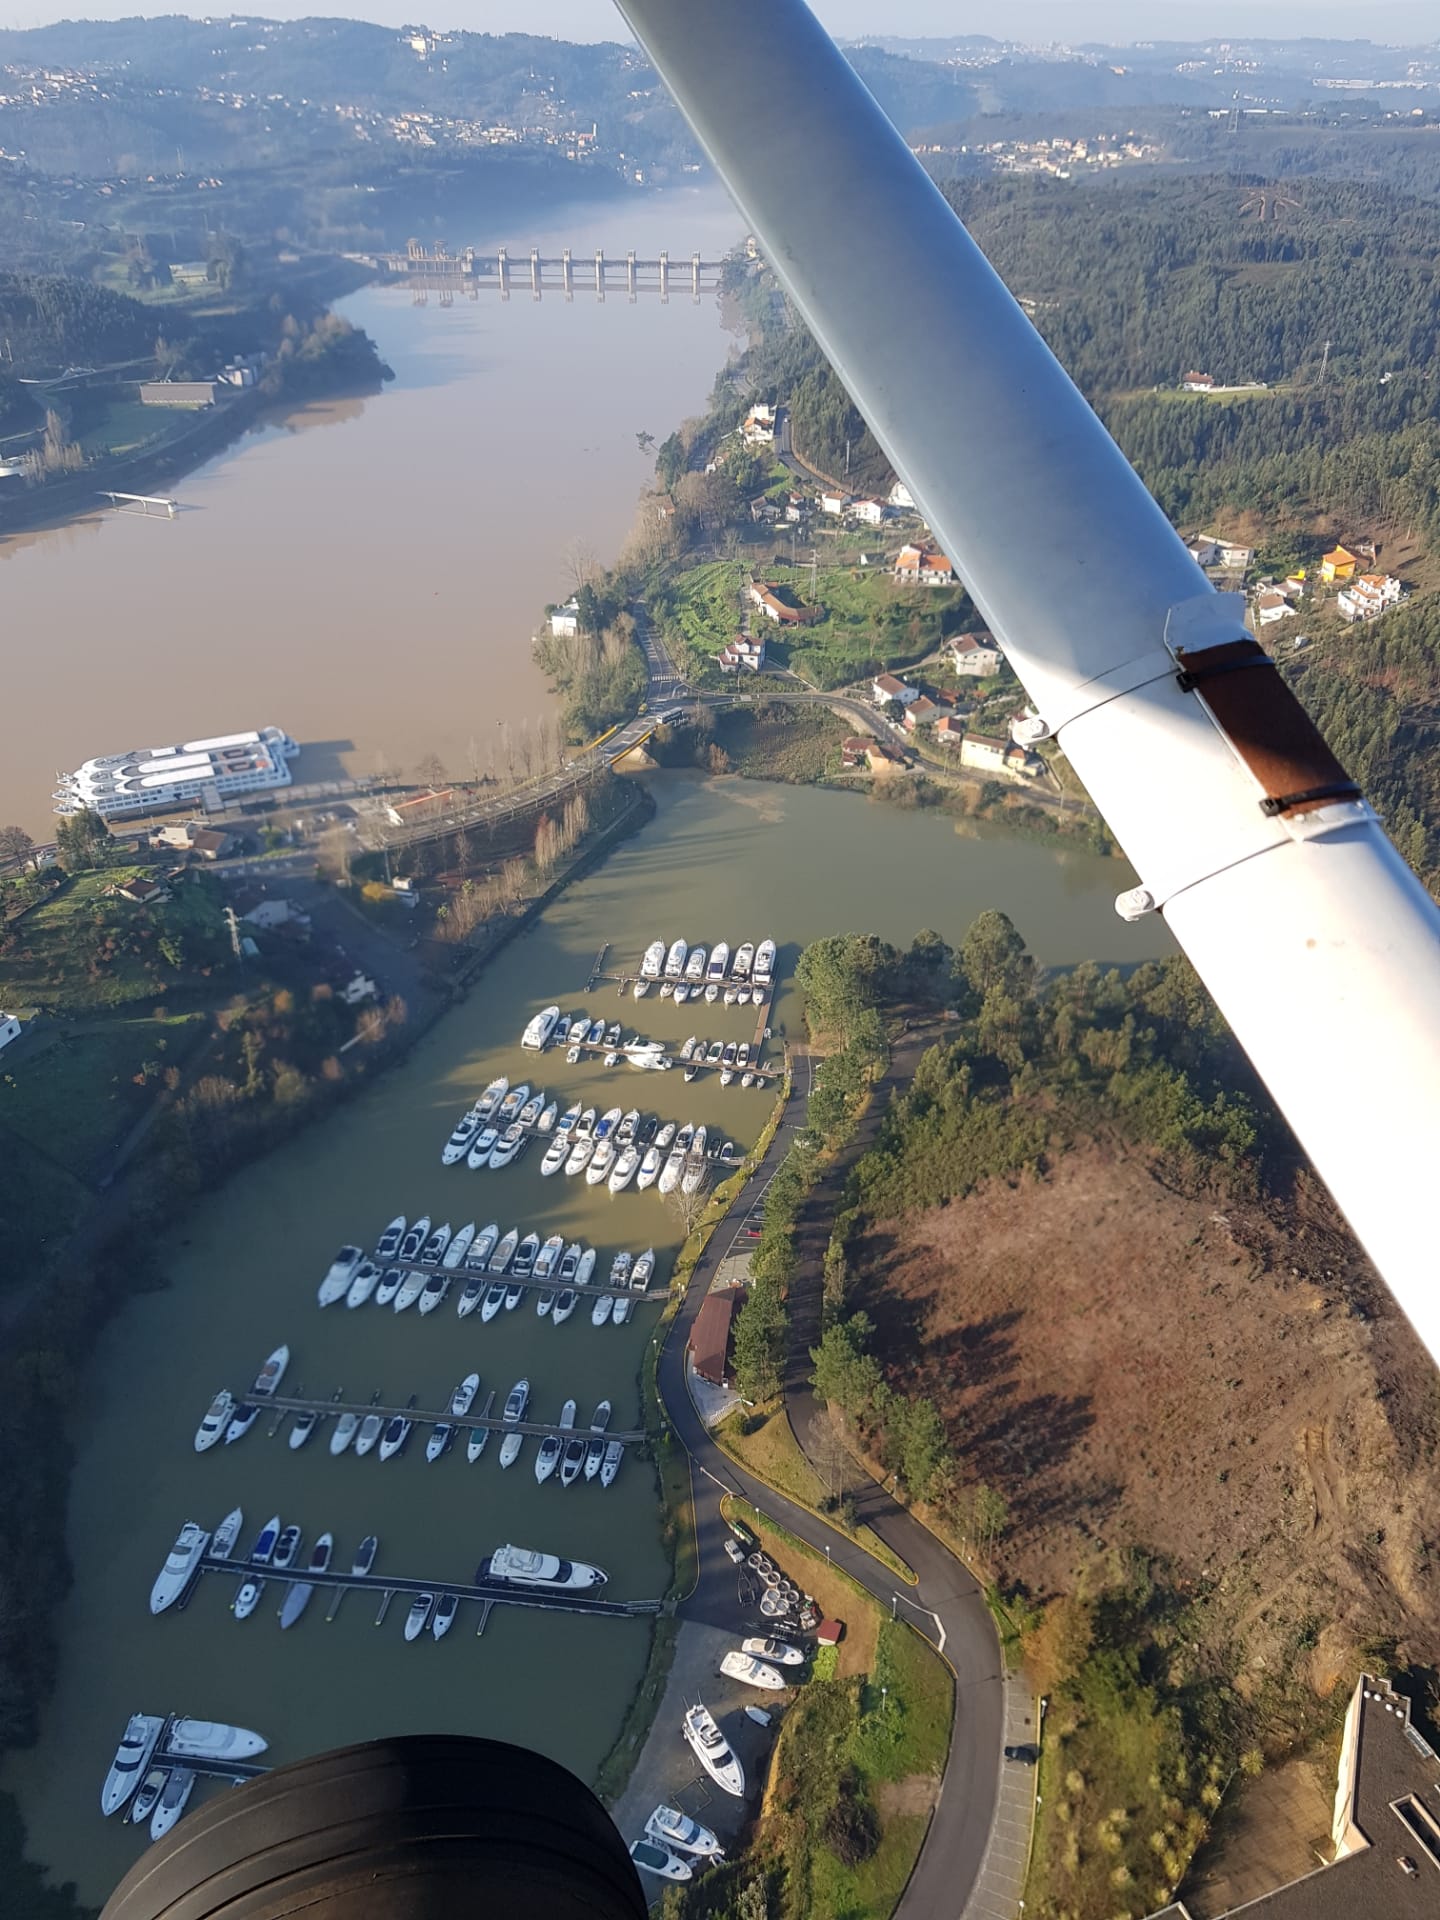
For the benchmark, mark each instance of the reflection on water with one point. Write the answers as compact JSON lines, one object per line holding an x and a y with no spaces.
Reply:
{"x":379,"y":583}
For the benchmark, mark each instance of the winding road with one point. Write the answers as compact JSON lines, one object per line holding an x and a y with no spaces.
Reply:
{"x":972,"y":1862}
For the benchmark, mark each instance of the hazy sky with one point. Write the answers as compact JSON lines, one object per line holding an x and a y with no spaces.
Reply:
{"x":1414,"y":20}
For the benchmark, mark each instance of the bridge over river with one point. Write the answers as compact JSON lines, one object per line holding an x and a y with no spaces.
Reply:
{"x":469,"y":271}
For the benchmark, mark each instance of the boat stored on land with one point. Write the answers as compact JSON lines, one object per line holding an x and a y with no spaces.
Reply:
{"x":713,"y":1750}
{"x":675,"y":1829}
{"x":651,"y":1857}
{"x":778,"y":1651}
{"x":755,"y":1673}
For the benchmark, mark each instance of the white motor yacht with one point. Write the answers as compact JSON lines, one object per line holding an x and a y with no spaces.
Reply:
{"x":695,"y":1168}
{"x":627,"y":1164}
{"x":248,"y":1597}
{"x":510,"y":1448}
{"x":601,"y":1310}
{"x":478,"y":1157}
{"x":441,"y":1434}
{"x":241,"y":1421}
{"x":675,"y":1829}
{"x":444,"y":1616}
{"x":336,"y":1283}
{"x":463,"y":1397}
{"x":595,"y":1445}
{"x":741,"y":964}
{"x":718,"y":965}
{"x":132,"y":1759}
{"x":389,"y":1285}
{"x":510,"y":1106}
{"x":396,"y":1433}
{"x":523,"y":1266}
{"x":494,"y":1300}
{"x":475,"y":1443}
{"x":764,"y":971}
{"x":779,"y":1651}
{"x":548,"y":1457}
{"x":654,"y":961}
{"x":651,"y":1856}
{"x":388,"y":1245}
{"x":563,"y":1308}
{"x":580,"y":1155}
{"x":507,"y":1146}
{"x":548,"y":1116}
{"x":411,"y":1288}
{"x":222,"y":1543}
{"x":548,"y":1258}
{"x":529,"y":1114}
{"x":215,"y":1422}
{"x":301,"y":1428}
{"x":713,"y":1750}
{"x":516,"y":1401}
{"x":504,"y":1252}
{"x":523,"y":1567}
{"x":418,"y":1617}
{"x":640,"y":988}
{"x":286,"y":1547}
{"x":586,"y":1267}
{"x":433,"y":1251}
{"x":642,"y":1271}
{"x":180,"y":1564}
{"x":715,"y":1053}
{"x":695,"y":964}
{"x":345,"y":1429}
{"x":146,"y":1796}
{"x":675,"y":1164}
{"x":371,"y":1428}
{"x":459,"y":1247}
{"x":755,"y":1673}
{"x":492,"y":1096}
{"x":415,"y":1236}
{"x":649,"y":1169}
{"x":212,"y":1740}
{"x":537,"y":1033}
{"x":556,"y":1154}
{"x":481,"y":1248}
{"x":601,"y":1162}
{"x":466,"y":1128}
{"x":675,"y":959}
{"x":173,"y":1801}
{"x":434,"y":1291}
{"x":367,"y":1278}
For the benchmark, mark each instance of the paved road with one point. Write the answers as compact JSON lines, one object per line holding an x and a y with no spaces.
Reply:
{"x":946,"y":1604}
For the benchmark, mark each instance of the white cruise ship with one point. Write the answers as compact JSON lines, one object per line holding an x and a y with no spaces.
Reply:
{"x":149,"y":779}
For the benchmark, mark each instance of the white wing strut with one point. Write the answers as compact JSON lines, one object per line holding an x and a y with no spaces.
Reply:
{"x":1320,"y":946}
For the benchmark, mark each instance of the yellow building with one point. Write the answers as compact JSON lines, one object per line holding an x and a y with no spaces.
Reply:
{"x":1338,"y":564}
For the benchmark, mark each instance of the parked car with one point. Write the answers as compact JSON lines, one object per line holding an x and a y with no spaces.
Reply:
{"x":735,"y":1551}
{"x":1026,"y":1756}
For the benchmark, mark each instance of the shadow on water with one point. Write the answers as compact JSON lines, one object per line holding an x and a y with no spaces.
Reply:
{"x":321,"y":760}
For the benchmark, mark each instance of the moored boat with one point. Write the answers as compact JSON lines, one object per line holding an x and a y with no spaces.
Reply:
{"x":695,"y":963}
{"x":301,"y":1428}
{"x":132,"y":1759}
{"x":718,"y":964}
{"x":510,"y":1106}
{"x":389,"y":1285}
{"x":388,"y":1245}
{"x":610,"y":1465}
{"x":463,"y":1397}
{"x":649,"y":1169}
{"x":523,"y":1264}
{"x":433,"y":1250}
{"x":494,"y":1301}
{"x":458,"y":1247}
{"x":675,"y":959}
{"x":173,"y":1801}
{"x":441,"y":1435}
{"x":365,"y":1555}
{"x":414,"y":1240}
{"x":371,"y":1428}
{"x":627,"y":1164}
{"x":434,"y":1291}
{"x":465,"y":1130}
{"x":180,"y":1564}
{"x":345,"y":1430}
{"x":744,"y":958}
{"x":642,"y":1271}
{"x":654,"y":961}
{"x":444,"y":1616}
{"x":286,"y":1547}
{"x":507,"y":1147}
{"x":538,"y":1031}
{"x":595,"y":1446}
{"x":546,"y":1122}
{"x":418,"y":1617}
{"x":146,"y":1795}
{"x":216,"y":1420}
{"x":241,"y":1421}
{"x":548,"y":1258}
{"x":298,"y":1598}
{"x":764,"y":971}
{"x":479,"y":1156}
{"x":504,"y":1252}
{"x":524,"y":1567}
{"x":556,"y":1154}
{"x":492,"y":1096}
{"x":601,"y":1310}
{"x":475,"y":1443}
{"x":212,"y":1740}
{"x":481,"y":1248}
{"x":367,"y":1278}
{"x":397,"y":1432}
{"x":695,"y":1163}
{"x":336,"y":1283}
{"x":222,"y":1543}
{"x":273,"y":1371}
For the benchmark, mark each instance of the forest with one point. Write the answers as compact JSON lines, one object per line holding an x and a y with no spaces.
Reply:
{"x":49,"y":322}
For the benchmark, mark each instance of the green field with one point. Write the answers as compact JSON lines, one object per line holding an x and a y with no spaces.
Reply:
{"x":126,"y":425}
{"x":800,"y":744}
{"x":46,"y":963}
{"x":75,"y":1097}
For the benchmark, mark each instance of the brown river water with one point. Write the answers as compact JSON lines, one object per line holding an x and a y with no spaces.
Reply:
{"x":371,"y":574}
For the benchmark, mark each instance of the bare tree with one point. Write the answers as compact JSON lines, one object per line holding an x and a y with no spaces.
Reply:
{"x":527,"y":747}
{"x":828,"y":1450}
{"x":431,"y":770}
{"x":16,"y":845}
{"x":688,"y":1209}
{"x":582,"y":564}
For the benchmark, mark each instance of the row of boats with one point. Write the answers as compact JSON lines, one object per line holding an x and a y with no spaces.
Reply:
{"x":495,"y":1270}
{"x":229,"y":1419}
{"x":152,"y":1773}
{"x":617,"y":1148}
{"x":707,"y":970}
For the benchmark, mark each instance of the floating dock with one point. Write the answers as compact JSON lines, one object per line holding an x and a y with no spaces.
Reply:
{"x":298,"y":1403}
{"x":551,"y":1283}
{"x":487,"y":1594}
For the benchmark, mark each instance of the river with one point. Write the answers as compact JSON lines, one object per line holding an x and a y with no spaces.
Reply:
{"x":368,"y":573}
{"x":724,"y":859}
